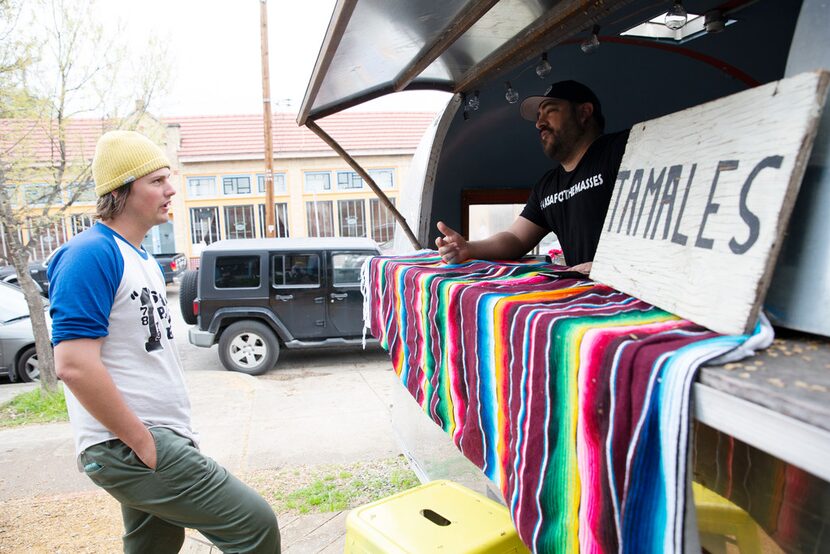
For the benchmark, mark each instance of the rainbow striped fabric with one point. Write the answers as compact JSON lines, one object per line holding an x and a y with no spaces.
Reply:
{"x":572,"y":397}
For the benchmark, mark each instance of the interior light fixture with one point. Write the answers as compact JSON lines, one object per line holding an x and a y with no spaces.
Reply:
{"x":676,"y":17}
{"x":511,"y":95}
{"x":591,"y":45}
{"x":543,"y":68}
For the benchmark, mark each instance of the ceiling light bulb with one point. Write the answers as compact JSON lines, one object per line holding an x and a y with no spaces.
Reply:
{"x":591,"y":45}
{"x":473,"y":102}
{"x":543,"y":68}
{"x":511,"y":95}
{"x":676,"y":17}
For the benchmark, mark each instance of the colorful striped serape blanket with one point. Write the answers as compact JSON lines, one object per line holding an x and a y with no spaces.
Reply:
{"x":572,"y":397}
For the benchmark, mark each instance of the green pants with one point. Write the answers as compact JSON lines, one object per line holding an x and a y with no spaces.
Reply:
{"x":187,"y":489}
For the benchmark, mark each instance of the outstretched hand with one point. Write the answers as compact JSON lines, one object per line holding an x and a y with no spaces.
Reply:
{"x":452,"y":247}
{"x":583,"y":268}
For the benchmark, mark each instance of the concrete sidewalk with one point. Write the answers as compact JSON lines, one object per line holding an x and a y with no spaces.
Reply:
{"x":315,"y":407}
{"x":244,"y":423}
{"x":10,"y":390}
{"x":336,"y":414}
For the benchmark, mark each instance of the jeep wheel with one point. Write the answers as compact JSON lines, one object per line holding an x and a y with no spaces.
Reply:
{"x":187,"y":294}
{"x":248,"y":347}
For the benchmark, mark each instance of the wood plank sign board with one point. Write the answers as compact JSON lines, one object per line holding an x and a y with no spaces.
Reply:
{"x":702,"y":199}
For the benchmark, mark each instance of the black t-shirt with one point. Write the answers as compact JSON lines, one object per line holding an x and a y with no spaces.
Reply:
{"x":573,"y":205}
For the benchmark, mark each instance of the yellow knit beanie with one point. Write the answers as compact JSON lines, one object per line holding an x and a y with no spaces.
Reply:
{"x":121,"y":157}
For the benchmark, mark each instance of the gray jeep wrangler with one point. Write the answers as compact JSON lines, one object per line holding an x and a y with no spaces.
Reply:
{"x":253,"y":296}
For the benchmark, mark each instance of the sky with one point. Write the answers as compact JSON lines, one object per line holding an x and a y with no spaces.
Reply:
{"x":214,"y":48}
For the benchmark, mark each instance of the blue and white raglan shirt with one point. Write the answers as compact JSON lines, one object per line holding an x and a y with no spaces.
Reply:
{"x":102,"y":286}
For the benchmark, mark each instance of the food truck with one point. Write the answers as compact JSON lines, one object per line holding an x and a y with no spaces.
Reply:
{"x":760,"y":432}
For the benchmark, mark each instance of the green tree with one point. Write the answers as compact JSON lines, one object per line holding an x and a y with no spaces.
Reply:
{"x":16,"y":56}
{"x":79,"y":67}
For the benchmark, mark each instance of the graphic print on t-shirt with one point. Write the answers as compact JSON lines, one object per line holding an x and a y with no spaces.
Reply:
{"x":572,"y":204}
{"x":567,"y":194}
{"x":152,"y":306}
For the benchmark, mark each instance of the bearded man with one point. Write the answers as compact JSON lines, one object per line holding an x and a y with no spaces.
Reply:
{"x":570,"y":200}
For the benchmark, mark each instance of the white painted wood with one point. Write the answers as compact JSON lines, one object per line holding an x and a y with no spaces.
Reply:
{"x":755,"y":142}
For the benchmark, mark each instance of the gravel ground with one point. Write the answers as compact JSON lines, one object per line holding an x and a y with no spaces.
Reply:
{"x":90,"y":522}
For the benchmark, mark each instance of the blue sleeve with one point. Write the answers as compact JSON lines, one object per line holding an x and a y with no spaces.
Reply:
{"x":83,"y":279}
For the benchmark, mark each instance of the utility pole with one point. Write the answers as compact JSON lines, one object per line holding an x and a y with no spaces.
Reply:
{"x":270,"y":227}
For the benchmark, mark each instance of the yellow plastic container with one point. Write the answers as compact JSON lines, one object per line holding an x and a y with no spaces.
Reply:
{"x":440,"y":516}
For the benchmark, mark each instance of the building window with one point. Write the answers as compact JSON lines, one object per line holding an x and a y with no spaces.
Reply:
{"x":80,"y":223}
{"x":383,"y":222}
{"x":85,"y":192}
{"x":47,"y":238}
{"x":5,"y":249}
{"x":236,"y":185}
{"x":351,"y":215}
{"x":239,"y":222}
{"x":320,"y":219}
{"x":204,"y":225}
{"x":201,"y":186}
{"x":280,"y":219}
{"x":40,"y":194}
{"x":317,"y":181}
{"x":384,"y":178}
{"x":349,"y":180}
{"x":279,"y":183}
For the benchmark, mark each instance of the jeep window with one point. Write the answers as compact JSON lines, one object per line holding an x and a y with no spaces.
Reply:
{"x":346,"y":267}
{"x":296,"y":270}
{"x":237,"y":272}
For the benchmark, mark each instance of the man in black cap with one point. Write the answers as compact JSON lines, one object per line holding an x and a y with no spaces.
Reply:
{"x":569,"y":200}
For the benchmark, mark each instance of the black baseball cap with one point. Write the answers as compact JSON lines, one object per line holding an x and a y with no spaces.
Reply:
{"x":572,"y":91}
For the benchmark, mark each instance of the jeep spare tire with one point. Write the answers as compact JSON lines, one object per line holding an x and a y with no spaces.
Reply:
{"x":248,"y":347}
{"x":187,"y":294}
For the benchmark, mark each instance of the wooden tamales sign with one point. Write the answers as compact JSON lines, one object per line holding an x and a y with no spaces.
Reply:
{"x":702,"y":200}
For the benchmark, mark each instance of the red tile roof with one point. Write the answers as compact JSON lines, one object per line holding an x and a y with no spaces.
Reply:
{"x":233,"y":136}
{"x":31,"y":139}
{"x":242,"y":135}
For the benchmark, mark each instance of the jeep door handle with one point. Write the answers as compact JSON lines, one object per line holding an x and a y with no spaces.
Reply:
{"x":284,"y":297}
{"x":338,"y":296}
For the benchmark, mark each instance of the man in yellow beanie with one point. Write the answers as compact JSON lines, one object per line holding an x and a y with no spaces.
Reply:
{"x":124,"y":383}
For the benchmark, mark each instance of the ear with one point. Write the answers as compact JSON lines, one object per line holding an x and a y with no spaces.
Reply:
{"x":585,"y":111}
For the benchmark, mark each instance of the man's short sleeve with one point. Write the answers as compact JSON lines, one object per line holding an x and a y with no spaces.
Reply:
{"x":83,"y":279}
{"x":533,"y":210}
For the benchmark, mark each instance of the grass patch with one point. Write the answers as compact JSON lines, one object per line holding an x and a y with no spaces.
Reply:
{"x":34,"y":406}
{"x":332,"y":488}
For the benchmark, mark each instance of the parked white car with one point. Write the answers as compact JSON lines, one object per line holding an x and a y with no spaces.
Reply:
{"x":18,"y":357}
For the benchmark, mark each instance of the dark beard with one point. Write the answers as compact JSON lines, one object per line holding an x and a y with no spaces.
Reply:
{"x":565,"y":139}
